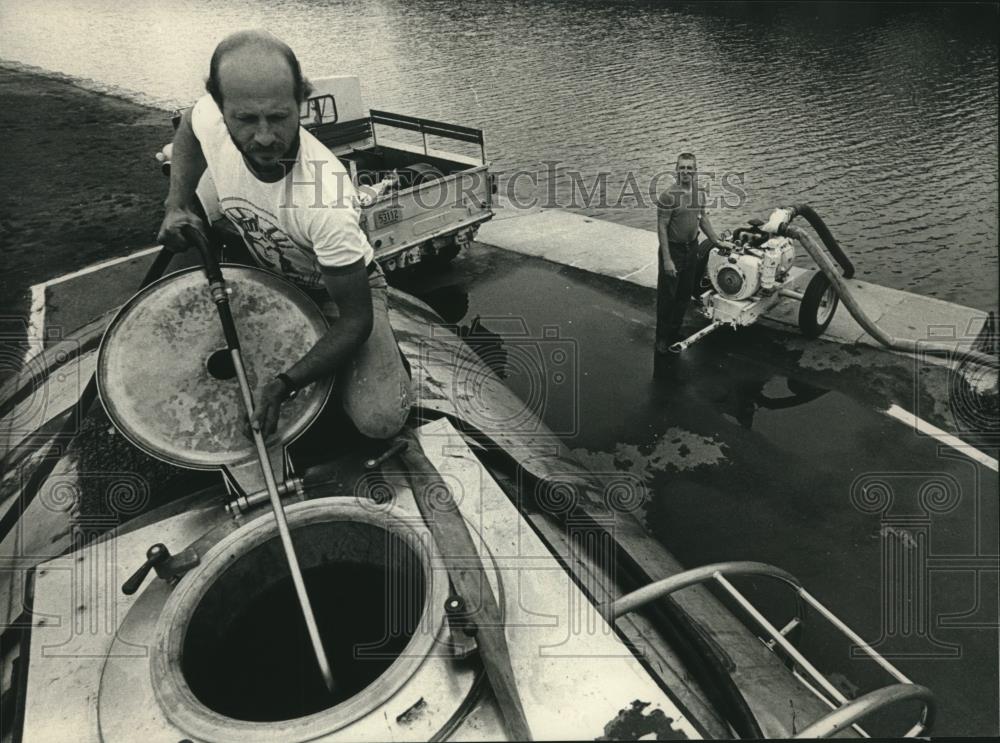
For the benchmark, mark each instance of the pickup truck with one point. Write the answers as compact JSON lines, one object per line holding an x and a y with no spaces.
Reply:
{"x":419,"y":204}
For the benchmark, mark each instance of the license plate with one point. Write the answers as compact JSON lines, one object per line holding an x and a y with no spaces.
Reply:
{"x":386,"y":217}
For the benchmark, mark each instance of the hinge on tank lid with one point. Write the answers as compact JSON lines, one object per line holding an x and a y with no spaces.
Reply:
{"x":240,"y":503}
{"x":246,"y":488}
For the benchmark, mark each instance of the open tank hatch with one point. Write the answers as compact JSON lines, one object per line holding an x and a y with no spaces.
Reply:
{"x":247,"y":654}
{"x":232,"y":652}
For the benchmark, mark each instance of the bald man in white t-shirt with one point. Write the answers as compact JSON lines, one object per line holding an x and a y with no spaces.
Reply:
{"x":241,"y":150}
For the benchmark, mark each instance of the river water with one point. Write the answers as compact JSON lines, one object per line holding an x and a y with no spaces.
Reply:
{"x":882,"y":117}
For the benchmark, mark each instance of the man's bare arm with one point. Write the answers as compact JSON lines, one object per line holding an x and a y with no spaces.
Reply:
{"x":350,"y":292}
{"x":187,"y":164}
{"x":709,"y":230}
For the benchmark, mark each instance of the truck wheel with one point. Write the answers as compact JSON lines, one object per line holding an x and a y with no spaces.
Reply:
{"x":819,"y":302}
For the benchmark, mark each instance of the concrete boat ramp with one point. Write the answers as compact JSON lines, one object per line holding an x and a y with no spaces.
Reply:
{"x":593,"y":245}
{"x":627,"y":254}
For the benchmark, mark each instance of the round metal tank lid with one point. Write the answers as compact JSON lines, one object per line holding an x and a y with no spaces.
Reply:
{"x":167,"y":380}
{"x":235,"y":586}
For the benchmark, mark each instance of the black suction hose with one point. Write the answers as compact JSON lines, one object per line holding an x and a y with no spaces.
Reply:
{"x":816,"y":222}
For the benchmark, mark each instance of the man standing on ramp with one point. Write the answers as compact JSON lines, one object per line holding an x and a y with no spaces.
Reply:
{"x":680,"y":214}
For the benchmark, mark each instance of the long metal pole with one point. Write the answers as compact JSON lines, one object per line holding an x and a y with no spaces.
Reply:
{"x":279,"y":517}
{"x":218,"y":288}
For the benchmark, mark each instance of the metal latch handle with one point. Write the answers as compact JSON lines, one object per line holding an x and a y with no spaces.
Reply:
{"x":155,"y":555}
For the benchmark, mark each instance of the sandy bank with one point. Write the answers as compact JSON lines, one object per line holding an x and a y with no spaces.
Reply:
{"x":78,"y":184}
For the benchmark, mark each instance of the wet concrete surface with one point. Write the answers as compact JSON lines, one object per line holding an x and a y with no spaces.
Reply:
{"x":757,"y":445}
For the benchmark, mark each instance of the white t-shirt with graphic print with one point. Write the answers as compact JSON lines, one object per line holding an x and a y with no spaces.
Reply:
{"x":306,"y":220}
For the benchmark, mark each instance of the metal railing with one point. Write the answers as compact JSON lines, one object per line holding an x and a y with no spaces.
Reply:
{"x":846,"y":712}
{"x":429,"y":127}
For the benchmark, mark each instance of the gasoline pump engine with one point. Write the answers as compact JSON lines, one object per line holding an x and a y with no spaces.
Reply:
{"x":755,"y":263}
{"x":750,"y":272}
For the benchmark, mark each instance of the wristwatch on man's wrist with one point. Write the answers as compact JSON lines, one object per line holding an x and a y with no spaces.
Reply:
{"x":290,"y":389}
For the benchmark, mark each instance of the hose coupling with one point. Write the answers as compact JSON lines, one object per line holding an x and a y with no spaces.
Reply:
{"x":778,"y":221}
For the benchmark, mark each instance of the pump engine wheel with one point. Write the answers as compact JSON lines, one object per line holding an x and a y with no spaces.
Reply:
{"x":819,"y":303}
